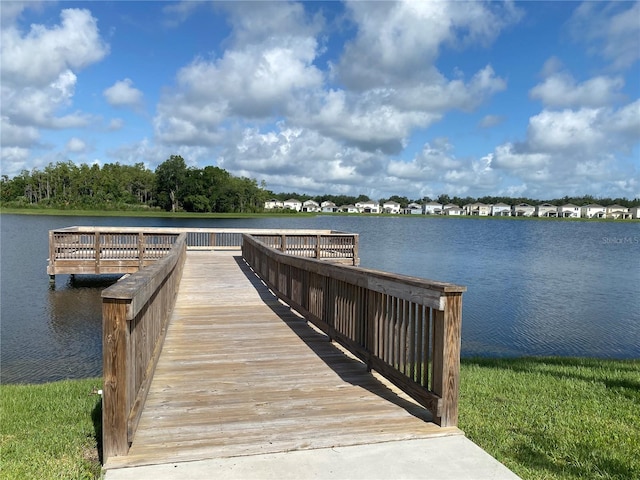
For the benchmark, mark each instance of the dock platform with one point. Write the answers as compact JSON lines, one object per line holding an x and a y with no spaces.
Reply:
{"x":246,"y":388}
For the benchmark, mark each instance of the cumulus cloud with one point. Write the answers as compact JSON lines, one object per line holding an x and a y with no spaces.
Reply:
{"x":398,"y":42}
{"x":561,"y":90}
{"x":269,"y":72}
{"x":123,"y":94}
{"x":610,"y":30}
{"x":38,"y":75}
{"x":568,"y":150}
{"x":75,"y":145}
{"x":267,"y":65}
{"x":40,"y":56}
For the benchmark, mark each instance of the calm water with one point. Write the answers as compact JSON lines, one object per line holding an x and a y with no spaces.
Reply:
{"x":534,"y":287}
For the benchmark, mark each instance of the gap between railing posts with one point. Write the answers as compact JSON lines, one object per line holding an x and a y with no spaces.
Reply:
{"x":406,"y":328}
{"x":135,"y":314}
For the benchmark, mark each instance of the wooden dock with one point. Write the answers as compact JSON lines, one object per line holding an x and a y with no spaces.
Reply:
{"x":240,"y":373}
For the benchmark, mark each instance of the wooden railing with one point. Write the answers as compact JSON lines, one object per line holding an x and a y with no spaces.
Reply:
{"x":135,"y":312}
{"x":406,"y":328}
{"x":115,"y":250}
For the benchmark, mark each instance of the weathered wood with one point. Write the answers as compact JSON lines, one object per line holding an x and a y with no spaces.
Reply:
{"x":135,"y":314}
{"x":115,"y":350}
{"x":404,"y":301}
{"x":242,"y":374}
{"x":447,"y":328}
{"x":113,"y":250}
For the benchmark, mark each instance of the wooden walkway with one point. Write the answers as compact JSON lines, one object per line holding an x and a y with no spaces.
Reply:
{"x":241,"y":374}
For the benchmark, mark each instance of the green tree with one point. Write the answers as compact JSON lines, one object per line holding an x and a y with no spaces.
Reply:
{"x":171,"y":176}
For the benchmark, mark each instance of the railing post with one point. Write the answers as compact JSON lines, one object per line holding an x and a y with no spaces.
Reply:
{"x":283,"y":243}
{"x":447,"y":329}
{"x":96,"y":247}
{"x":318,"y":240}
{"x":141,"y":249}
{"x":115,"y":346}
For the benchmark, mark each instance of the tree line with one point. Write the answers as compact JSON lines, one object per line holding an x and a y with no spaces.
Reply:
{"x":172,"y":187}
{"x":175,"y":187}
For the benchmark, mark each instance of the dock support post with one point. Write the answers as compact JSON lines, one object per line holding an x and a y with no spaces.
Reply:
{"x":52,"y":280}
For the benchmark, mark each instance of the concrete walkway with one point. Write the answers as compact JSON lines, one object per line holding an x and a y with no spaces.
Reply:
{"x":451,"y":458}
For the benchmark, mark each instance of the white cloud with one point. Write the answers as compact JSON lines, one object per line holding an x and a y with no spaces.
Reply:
{"x":561,"y":90}
{"x":40,"y":56}
{"x":397,"y":43}
{"x":269,"y":64}
{"x":610,"y":30}
{"x":75,"y":145}
{"x":38,"y":79}
{"x":123,"y":94}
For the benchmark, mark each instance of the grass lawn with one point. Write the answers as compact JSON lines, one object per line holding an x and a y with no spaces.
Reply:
{"x":50,"y":431}
{"x":544,"y":418}
{"x":555,"y":418}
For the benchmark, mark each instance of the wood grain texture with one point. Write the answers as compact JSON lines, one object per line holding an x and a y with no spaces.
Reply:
{"x":240,"y":373}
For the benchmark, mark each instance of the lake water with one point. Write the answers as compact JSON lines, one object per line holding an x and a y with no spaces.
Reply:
{"x":534,"y":287}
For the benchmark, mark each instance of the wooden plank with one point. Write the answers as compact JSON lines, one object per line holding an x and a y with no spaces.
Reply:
{"x":240,"y":373}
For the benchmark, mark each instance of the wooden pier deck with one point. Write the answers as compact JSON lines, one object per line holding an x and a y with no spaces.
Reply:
{"x":240,"y":374}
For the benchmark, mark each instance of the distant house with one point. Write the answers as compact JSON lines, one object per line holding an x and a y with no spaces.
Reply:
{"x":593,"y":211}
{"x":546,"y":210}
{"x":293,"y":204}
{"x":569,"y":210}
{"x":635,"y":212}
{"x":328,"y":207}
{"x":413,"y":209}
{"x":452,"y":209}
{"x":310,"y":206}
{"x":477,"y":209}
{"x":617,"y":212}
{"x":273,"y":203}
{"x":433,"y":208}
{"x":391,"y":207}
{"x":522,"y":210}
{"x":349,"y":209}
{"x":500,"y":210}
{"x":368,"y":207}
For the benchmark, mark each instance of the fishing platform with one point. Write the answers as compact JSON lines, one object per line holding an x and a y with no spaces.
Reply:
{"x":228,"y":343}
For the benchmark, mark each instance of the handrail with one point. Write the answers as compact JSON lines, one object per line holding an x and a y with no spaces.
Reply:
{"x":406,"y":328}
{"x":135,"y":313}
{"x":119,"y":250}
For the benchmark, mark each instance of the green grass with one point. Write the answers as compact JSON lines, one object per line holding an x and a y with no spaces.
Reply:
{"x":555,"y":418}
{"x":544,"y":418}
{"x":48,"y":431}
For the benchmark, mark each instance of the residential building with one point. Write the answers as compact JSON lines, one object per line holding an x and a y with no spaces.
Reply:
{"x":328,"y":207}
{"x":500,"y":210}
{"x":593,"y":211}
{"x":433,"y":208}
{"x":452,"y":209}
{"x":477,"y":209}
{"x":310,"y":206}
{"x":273,"y":203}
{"x":617,"y":212}
{"x":635,"y":212}
{"x":391,"y":207}
{"x":546,"y":210}
{"x":368,"y":207}
{"x":293,"y":204}
{"x":569,"y":210}
{"x":349,"y":209}
{"x":413,"y":209}
{"x":522,"y":210}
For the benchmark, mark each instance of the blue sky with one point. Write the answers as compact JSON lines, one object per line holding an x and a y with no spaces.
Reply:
{"x":536,"y":99}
